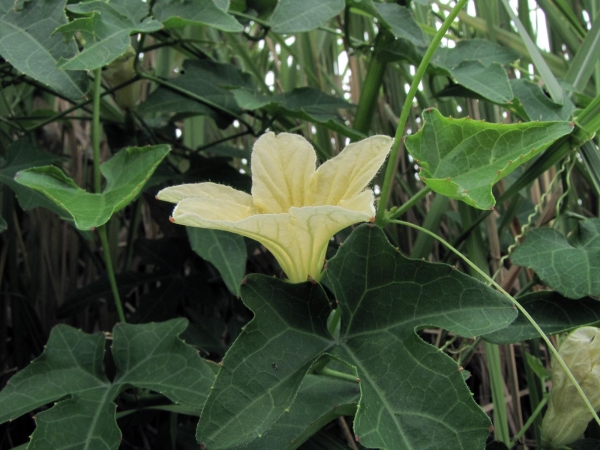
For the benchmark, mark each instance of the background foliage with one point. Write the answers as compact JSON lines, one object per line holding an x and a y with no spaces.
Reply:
{"x":186,"y":88}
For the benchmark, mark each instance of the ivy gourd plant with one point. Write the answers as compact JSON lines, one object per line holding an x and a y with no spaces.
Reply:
{"x":380,"y":212}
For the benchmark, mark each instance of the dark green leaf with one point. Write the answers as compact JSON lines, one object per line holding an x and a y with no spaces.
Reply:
{"x":570,"y":267}
{"x":176,"y":14}
{"x":26,"y":41}
{"x":262,"y":371}
{"x":463,"y":158}
{"x":412,"y":394}
{"x":401,"y":23}
{"x":305,"y":103}
{"x":491,"y":82}
{"x":22,"y":154}
{"x":147,"y":356}
{"x":217,"y":80}
{"x":537,"y":105}
{"x":105,"y":31}
{"x":125,"y":173}
{"x":552,"y":312}
{"x":292,"y":16}
{"x":585,"y":444}
{"x":3,"y":224}
{"x":320,"y":400}
{"x":226,"y":251}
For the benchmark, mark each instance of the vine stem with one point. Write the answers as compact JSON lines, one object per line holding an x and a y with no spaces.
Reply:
{"x":514,"y":302}
{"x":96,"y":129}
{"x":96,"y":134}
{"x":414,"y":87}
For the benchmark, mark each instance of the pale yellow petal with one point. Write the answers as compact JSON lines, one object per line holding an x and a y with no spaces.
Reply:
{"x":297,"y":239}
{"x":189,"y":210}
{"x":175,"y":194}
{"x":346,"y":175}
{"x":282,"y":166}
{"x":362,"y":202}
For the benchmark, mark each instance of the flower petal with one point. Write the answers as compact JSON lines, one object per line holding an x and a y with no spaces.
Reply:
{"x":297,"y":239}
{"x":346,"y":175}
{"x":175,"y":194}
{"x":362,"y":202}
{"x":282,"y":167}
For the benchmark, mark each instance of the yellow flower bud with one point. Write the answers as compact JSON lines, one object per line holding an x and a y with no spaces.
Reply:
{"x":567,"y":416}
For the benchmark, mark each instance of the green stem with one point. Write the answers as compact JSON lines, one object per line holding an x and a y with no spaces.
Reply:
{"x":335,"y":374}
{"x":529,"y":422}
{"x":395,"y":213}
{"x":111,"y":273}
{"x":523,"y":311}
{"x":371,"y":86}
{"x":96,"y":133}
{"x":96,"y":130}
{"x":414,"y":87}
{"x":335,"y":320}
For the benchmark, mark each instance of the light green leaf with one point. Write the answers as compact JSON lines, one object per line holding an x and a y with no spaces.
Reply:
{"x":226,"y":251}
{"x":570,"y":267}
{"x":537,"y":105}
{"x":463,"y":158}
{"x":320,"y":400}
{"x":105,"y":31}
{"x":292,"y":16}
{"x":552,"y":312}
{"x":176,"y":14}
{"x":401,"y":23}
{"x":486,"y":52}
{"x":26,"y":41}
{"x":22,"y":154}
{"x":147,"y":356}
{"x":262,"y":371}
{"x":413,"y":396}
{"x":125,"y":173}
{"x":586,"y":58}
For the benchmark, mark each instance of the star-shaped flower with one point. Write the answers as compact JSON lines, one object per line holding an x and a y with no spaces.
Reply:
{"x":294,"y":210}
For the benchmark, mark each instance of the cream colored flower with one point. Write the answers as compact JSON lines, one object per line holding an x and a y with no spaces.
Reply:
{"x":567,"y":416}
{"x":294,"y":210}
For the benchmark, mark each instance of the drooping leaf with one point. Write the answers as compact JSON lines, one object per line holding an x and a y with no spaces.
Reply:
{"x":147,"y":356}
{"x":537,"y":105}
{"x":552,"y":312}
{"x":569,"y":266}
{"x":401,"y":23}
{"x":26,"y":41}
{"x":105,"y":30}
{"x":176,"y":14}
{"x":262,"y":371}
{"x":412,"y":395}
{"x":226,"y":251}
{"x":320,"y":400}
{"x":477,"y":65}
{"x":491,"y":82}
{"x":217,"y":80}
{"x":463,"y":158}
{"x":125,"y":173}
{"x":291,"y":16}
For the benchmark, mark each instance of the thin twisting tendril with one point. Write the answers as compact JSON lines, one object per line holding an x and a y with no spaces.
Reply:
{"x":536,"y":210}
